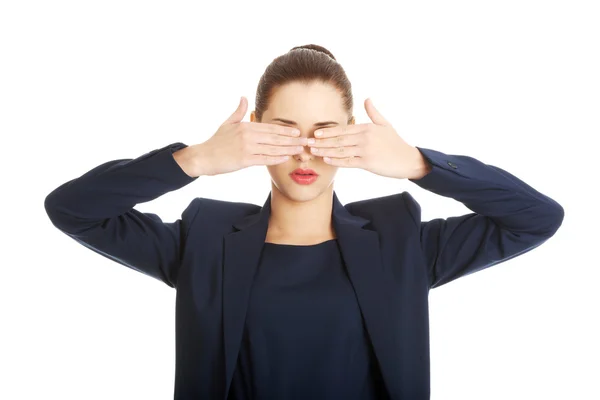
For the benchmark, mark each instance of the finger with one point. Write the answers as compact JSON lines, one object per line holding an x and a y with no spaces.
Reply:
{"x":355,"y":139}
{"x":374,"y":114}
{"x":276,"y":150}
{"x":263,"y":159}
{"x":349,"y":162}
{"x":338,"y":152}
{"x":273,"y":128}
{"x":279,"y":140}
{"x":339,"y":130}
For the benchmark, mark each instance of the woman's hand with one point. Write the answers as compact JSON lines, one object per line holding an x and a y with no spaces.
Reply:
{"x":373,"y":147}
{"x":238,"y":145}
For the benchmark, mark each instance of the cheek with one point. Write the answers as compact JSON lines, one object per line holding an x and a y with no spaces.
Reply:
{"x":331,"y":169}
{"x":278,"y":170}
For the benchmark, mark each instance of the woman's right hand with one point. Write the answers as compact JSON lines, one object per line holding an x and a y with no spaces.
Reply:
{"x":238,"y":144}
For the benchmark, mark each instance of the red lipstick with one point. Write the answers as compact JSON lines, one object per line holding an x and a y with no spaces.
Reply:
{"x":304,"y":176}
{"x":304,"y":172}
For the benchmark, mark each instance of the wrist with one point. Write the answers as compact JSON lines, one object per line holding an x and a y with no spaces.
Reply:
{"x":189,"y":160}
{"x":421,"y":167}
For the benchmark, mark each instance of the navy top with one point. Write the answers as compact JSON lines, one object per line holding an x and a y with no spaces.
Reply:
{"x":304,"y":336}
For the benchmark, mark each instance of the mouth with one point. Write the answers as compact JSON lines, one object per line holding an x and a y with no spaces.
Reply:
{"x":304,"y":176}
{"x":304,"y":172}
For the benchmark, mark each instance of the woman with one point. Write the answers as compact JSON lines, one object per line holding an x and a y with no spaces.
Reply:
{"x":303,"y":297}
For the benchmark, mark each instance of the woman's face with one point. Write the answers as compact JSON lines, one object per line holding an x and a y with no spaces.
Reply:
{"x":306,"y":105}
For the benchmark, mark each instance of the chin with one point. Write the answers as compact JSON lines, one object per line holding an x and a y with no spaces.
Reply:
{"x":305,"y":195}
{"x":301,"y":193}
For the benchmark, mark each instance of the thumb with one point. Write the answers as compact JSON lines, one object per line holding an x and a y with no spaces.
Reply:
{"x":239,"y":113}
{"x":375,"y":116}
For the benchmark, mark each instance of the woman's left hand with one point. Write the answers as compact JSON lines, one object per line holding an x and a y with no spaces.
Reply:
{"x":373,"y":147}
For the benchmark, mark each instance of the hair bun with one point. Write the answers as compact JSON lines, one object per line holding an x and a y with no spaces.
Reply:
{"x":315,"y":47}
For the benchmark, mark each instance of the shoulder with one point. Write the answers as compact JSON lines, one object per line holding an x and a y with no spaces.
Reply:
{"x":398,"y":205}
{"x":218,"y":210}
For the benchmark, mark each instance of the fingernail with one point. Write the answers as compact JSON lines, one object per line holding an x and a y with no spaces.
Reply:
{"x":318,"y":133}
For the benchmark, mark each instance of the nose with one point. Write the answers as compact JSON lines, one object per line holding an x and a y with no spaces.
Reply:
{"x":305,"y":155}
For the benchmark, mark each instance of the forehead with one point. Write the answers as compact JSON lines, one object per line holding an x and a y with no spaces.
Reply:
{"x":314,"y":100}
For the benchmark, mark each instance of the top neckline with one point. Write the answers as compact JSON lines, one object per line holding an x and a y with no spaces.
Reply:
{"x":300,"y":245}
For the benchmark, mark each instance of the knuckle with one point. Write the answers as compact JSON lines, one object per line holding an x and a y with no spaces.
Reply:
{"x":245,"y":132}
{"x":246,"y":147}
{"x":365,"y":138}
{"x":243,"y":135}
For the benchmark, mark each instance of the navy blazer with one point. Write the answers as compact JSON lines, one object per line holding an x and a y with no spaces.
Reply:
{"x":393,"y":258}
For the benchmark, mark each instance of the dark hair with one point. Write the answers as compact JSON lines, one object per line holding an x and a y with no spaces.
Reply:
{"x":304,"y":64}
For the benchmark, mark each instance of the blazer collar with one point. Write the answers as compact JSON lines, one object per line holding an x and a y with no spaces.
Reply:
{"x":362,"y":258}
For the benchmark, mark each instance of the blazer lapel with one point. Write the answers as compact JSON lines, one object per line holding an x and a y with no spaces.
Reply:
{"x":361,"y":255}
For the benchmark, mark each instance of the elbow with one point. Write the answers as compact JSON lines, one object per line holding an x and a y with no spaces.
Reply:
{"x":553,"y":220}
{"x":55,"y":211}
{"x":541,"y":226}
{"x":50,"y":206}
{"x":559,"y":217}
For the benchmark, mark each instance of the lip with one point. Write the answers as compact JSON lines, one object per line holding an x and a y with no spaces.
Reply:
{"x":304,"y":172}
{"x":303,"y":179}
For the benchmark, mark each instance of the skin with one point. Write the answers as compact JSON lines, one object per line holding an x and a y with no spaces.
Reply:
{"x":301,"y":214}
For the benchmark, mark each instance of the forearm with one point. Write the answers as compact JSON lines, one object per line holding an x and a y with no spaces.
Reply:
{"x":114,"y":188}
{"x":493,"y":192}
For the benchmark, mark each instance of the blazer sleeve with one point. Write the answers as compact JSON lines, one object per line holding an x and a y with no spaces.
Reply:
{"x":509,"y":217}
{"x":96,"y":210}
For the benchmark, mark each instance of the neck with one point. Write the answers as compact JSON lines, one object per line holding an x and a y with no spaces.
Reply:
{"x":301,"y":219}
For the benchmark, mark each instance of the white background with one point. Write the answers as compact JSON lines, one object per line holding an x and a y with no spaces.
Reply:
{"x":514,"y":84}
